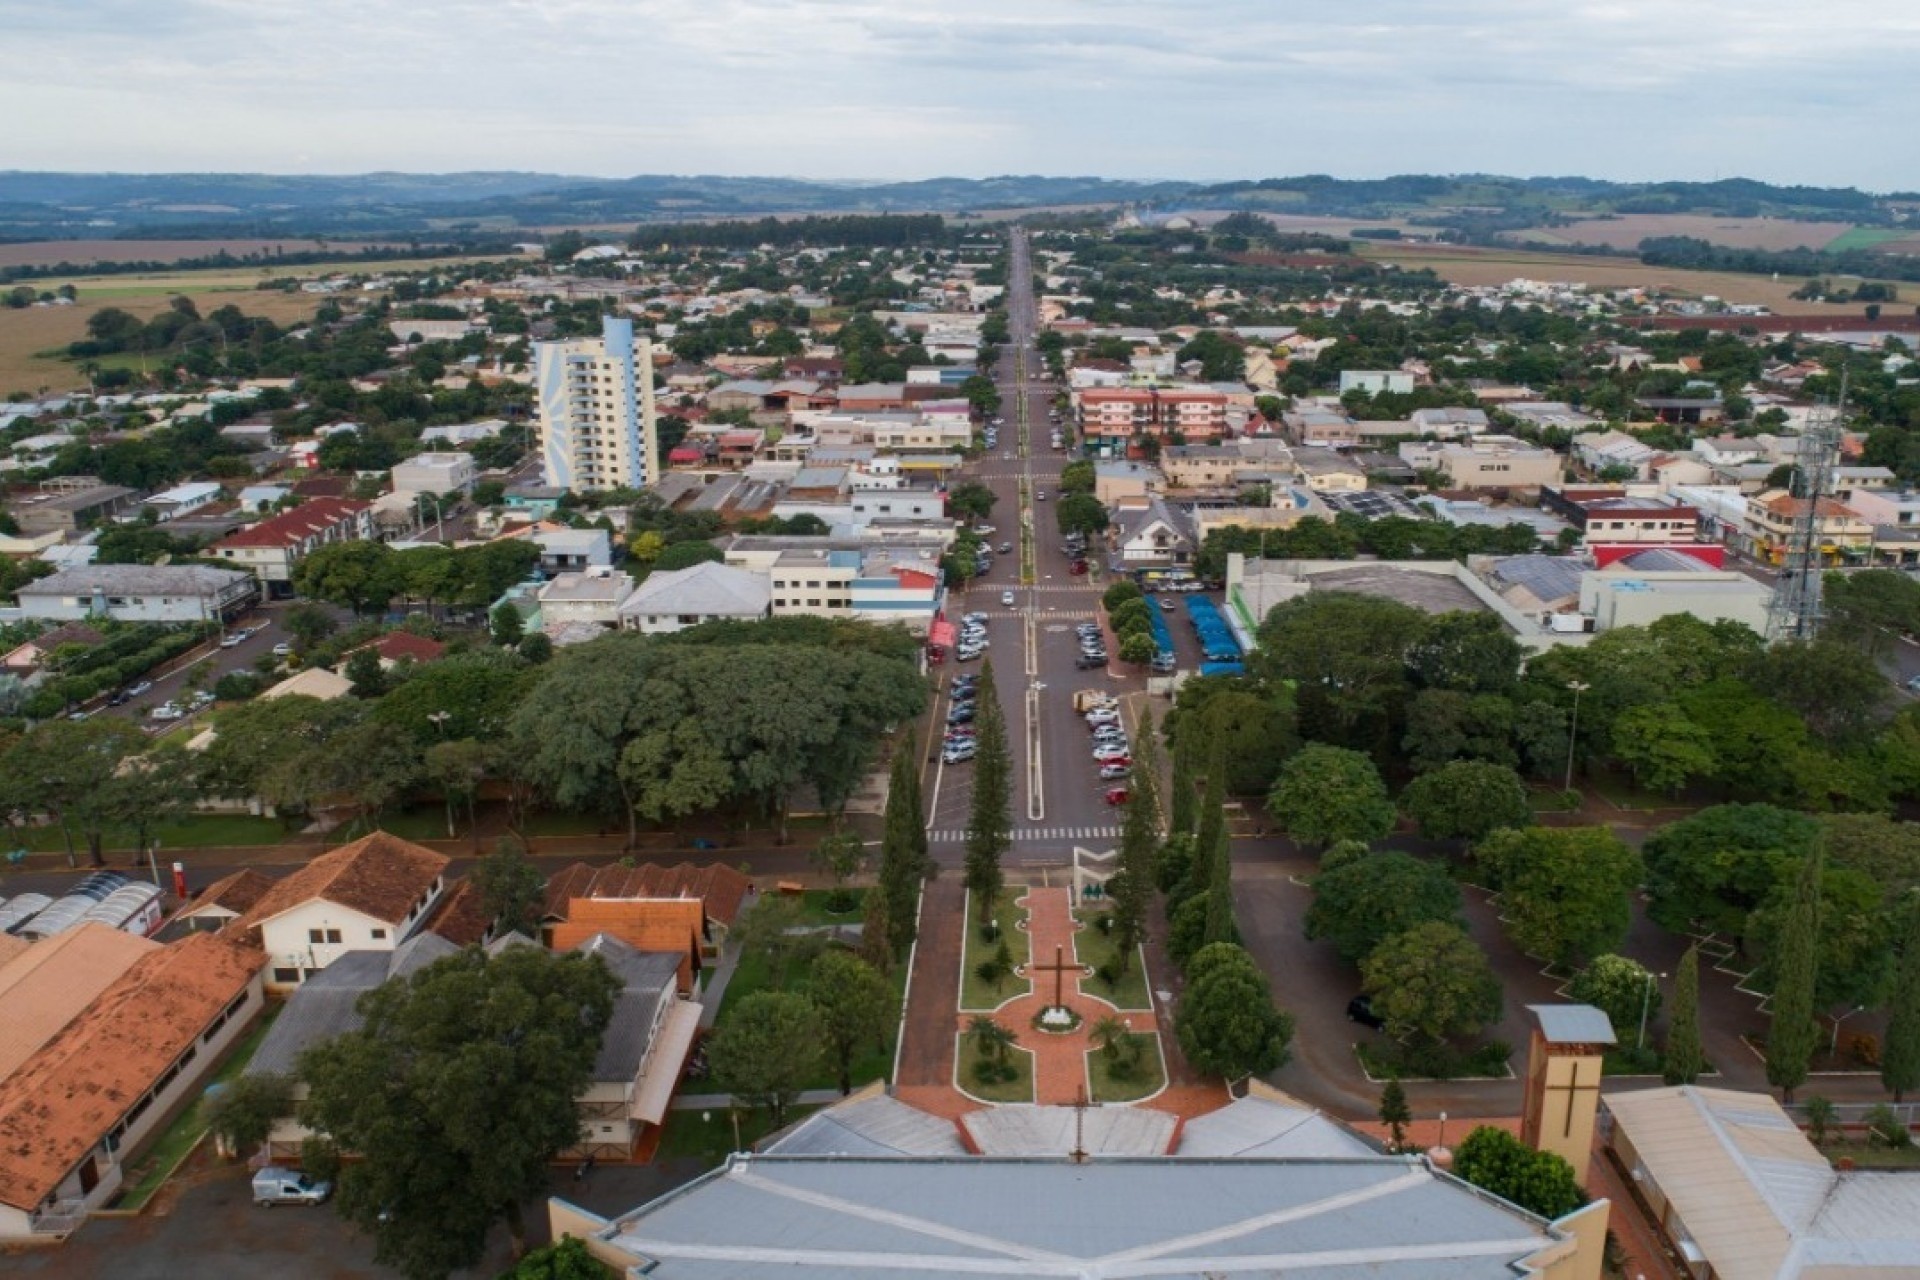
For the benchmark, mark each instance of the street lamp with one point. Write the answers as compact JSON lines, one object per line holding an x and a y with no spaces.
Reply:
{"x":1646,"y":1002}
{"x":439,"y":529}
{"x":1573,"y":731}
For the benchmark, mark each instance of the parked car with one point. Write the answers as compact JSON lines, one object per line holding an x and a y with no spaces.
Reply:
{"x":282,"y":650}
{"x":1077,"y":568}
{"x":232,"y":639}
{"x":1102,"y":715}
{"x":202,"y":698}
{"x":960,"y":715}
{"x":274,"y":1185}
{"x":1109,"y":772}
{"x":958,"y":753}
{"x":1006,"y":548}
{"x":1088,"y":661}
{"x":1124,"y":761}
{"x":120,"y":699}
{"x":973,"y":617}
{"x":139,"y":687}
{"x":1360,"y":1010}
{"x":984,"y":530}
{"x":1164,"y":663}
{"x":167,"y":711}
{"x":1115,"y":796}
{"x":1040,"y":495}
{"x":1106,"y":754}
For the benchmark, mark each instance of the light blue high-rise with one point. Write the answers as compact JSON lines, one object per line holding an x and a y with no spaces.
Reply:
{"x":595,"y":396}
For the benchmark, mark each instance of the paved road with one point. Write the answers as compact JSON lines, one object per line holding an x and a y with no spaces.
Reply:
{"x":1058,"y":797}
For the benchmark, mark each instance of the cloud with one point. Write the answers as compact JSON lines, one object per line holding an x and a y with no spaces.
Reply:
{"x":876,"y":89}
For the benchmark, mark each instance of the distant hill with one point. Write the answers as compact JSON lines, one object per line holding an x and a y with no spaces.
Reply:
{"x":1471,"y":207}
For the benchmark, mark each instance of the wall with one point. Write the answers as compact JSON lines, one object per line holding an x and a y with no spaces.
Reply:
{"x":285,"y":940}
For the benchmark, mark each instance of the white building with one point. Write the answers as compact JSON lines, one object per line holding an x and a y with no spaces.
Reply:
{"x":178,"y":501}
{"x":436,"y":473}
{"x":139,"y":593}
{"x":1375,"y":381}
{"x":709,"y":592}
{"x":593,"y":597}
{"x":596,"y":409}
{"x":370,"y":895}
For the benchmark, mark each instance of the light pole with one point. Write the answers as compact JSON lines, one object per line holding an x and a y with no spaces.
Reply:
{"x":439,"y":523}
{"x":1573,"y":731}
{"x":1646,"y":1002}
{"x":439,"y":720}
{"x":1834,"y":1048}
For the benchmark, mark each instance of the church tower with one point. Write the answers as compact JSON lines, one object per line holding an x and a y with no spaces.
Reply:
{"x":1563,"y":1081}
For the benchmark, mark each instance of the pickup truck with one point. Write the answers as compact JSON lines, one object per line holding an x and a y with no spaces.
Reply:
{"x":274,"y":1185}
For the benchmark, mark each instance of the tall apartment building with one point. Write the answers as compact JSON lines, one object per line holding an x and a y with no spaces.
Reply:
{"x":597,"y":425}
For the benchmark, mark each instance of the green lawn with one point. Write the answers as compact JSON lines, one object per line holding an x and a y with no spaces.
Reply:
{"x":1018,"y":1089}
{"x":1864,"y":238}
{"x":710,"y":1140}
{"x":1146,"y":1077}
{"x":1096,"y":948}
{"x":978,"y":995}
{"x":179,"y":1137}
{"x":199,"y":831}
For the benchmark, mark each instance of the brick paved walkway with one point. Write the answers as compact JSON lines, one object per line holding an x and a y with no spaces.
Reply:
{"x":1060,"y":1060}
{"x":926,"y":1051}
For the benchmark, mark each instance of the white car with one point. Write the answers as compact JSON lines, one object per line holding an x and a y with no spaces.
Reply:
{"x":167,"y":711}
{"x":282,"y":649}
{"x":233,"y":640}
{"x":1007,"y":598}
{"x":1105,"y":754}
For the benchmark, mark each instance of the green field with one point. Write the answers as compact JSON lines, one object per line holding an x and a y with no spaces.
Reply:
{"x":1018,"y":1089}
{"x":1145,"y":1080}
{"x":201,"y":831}
{"x":1865,"y":238}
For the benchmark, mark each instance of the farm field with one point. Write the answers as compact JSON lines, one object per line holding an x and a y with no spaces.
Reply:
{"x":1629,"y":229}
{"x":41,"y":253}
{"x":1474,"y":266}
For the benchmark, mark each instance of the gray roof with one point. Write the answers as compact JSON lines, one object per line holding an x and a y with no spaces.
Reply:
{"x":1268,"y":1128}
{"x":1383,"y":1218}
{"x":1663,"y":560}
{"x":875,"y":1126}
{"x":1025,"y":1129}
{"x":325,"y":1005}
{"x":703,"y":589}
{"x":1545,"y":578}
{"x":1573,"y":1024}
{"x":136,"y":580}
{"x":648,"y":980}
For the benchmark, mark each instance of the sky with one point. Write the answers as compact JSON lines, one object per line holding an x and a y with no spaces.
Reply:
{"x":1781,"y":90}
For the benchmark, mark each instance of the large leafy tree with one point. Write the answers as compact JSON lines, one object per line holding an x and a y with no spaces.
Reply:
{"x":857,"y":1008}
{"x":1227,"y":1022}
{"x":1466,"y":800}
{"x":1433,"y":982}
{"x":1347,"y":655}
{"x":68,"y":769}
{"x":359,"y":575}
{"x":768,"y":1048}
{"x":1466,"y":653}
{"x":454,"y":1095}
{"x":1360,"y":903}
{"x":1853,"y":958}
{"x":512,"y":890}
{"x":1825,"y":683}
{"x":1620,"y":988}
{"x":1328,"y":793}
{"x":990,"y":817}
{"x":1793,"y":1034}
{"x":1663,"y":747}
{"x":1709,"y":871}
{"x":1565,"y":889}
{"x":1254,"y":728}
{"x":463,"y":695}
{"x":1538,"y":1181}
{"x":277,"y":749}
{"x":1444,"y":726}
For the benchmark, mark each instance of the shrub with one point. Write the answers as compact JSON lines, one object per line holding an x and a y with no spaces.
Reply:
{"x":1865,"y":1049}
{"x":990,"y":972}
{"x":1889,"y":1128}
{"x":1108,"y":973}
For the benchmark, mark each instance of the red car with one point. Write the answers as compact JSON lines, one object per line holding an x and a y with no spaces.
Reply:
{"x":1077,"y":567}
{"x":1116,"y":795}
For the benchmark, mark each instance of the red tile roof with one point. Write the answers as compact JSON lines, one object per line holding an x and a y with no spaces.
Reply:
{"x":296,"y":524}
{"x":69,"y":1095}
{"x":460,"y":917}
{"x":236,"y":892}
{"x":396,"y":646}
{"x":720,"y":888}
{"x":381,"y":876}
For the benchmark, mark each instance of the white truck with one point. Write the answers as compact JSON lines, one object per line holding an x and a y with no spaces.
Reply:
{"x":274,"y":1185}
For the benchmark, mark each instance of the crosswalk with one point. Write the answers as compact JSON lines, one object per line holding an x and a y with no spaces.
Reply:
{"x":1015,"y":615}
{"x":1033,"y":835}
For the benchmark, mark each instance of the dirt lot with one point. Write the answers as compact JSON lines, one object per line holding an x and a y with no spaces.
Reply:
{"x":1628,"y":230}
{"x":1497,"y":266}
{"x":24,"y":335}
{"x":37,"y":253}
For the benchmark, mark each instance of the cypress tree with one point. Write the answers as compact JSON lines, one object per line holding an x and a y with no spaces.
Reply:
{"x":1394,"y":1111}
{"x":1132,"y":887}
{"x":990,"y":821}
{"x":1793,"y":1035}
{"x":1685,"y":1059}
{"x":900,"y":863}
{"x":1900,"y":1060}
{"x":1213,"y":821}
{"x":1220,"y":926}
{"x":876,"y":937}
{"x":1182,"y":804}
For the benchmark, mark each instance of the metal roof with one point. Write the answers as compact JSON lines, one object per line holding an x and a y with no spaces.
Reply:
{"x":1383,"y":1218}
{"x":1269,"y":1128}
{"x":875,"y":1126}
{"x":1573,"y":1024}
{"x":1028,"y":1130}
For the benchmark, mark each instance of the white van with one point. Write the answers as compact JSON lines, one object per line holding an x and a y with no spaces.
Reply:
{"x":274,"y":1185}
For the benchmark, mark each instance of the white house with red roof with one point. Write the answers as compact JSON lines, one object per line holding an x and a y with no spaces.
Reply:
{"x":270,"y":549}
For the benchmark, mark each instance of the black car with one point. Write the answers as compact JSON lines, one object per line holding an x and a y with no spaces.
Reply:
{"x":960,"y":715}
{"x":1087,"y":661}
{"x":1360,"y":1010}
{"x":120,"y":698}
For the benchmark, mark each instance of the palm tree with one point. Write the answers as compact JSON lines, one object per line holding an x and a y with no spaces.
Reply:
{"x":1114,"y":1038}
{"x":993,"y":1042}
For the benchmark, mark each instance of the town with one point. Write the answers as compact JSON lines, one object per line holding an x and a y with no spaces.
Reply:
{"x":1096,"y":743}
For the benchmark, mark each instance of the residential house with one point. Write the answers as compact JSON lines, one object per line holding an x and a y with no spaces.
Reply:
{"x":566,"y":550}
{"x":140,"y":593}
{"x":642,"y":1054}
{"x":680,"y":598}
{"x":1116,"y":480}
{"x":396,"y":647}
{"x":1325,"y":471}
{"x":436,"y":473}
{"x":26,"y":659}
{"x":220,"y":903}
{"x":1448,"y":423}
{"x":181,"y":499}
{"x":1375,"y":382}
{"x":273,"y":548}
{"x":89,"y":1098}
{"x":1154,"y":535}
{"x":1487,"y":463}
{"x":1692,"y":410}
{"x":1614,"y":455}
{"x":592,"y":597}
{"x":370,"y":895}
{"x":896,"y":582}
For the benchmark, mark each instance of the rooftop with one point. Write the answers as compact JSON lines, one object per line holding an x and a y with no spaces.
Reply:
{"x":381,"y":876}
{"x":703,"y":589}
{"x":326,"y":1004}
{"x":138,"y":580}
{"x":45,"y":987}
{"x":296,"y":524}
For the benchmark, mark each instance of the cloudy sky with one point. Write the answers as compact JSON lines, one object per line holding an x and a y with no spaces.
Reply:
{"x":1783,"y":90}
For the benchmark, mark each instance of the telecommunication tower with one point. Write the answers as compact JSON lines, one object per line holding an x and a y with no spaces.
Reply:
{"x":1794,"y":611}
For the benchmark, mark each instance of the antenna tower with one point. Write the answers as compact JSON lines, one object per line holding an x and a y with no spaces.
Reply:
{"x":1794,"y":612}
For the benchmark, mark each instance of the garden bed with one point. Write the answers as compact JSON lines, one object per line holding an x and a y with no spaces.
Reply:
{"x":1147,"y":1077}
{"x":975,"y":994}
{"x":1487,"y":1061}
{"x":966,"y":1061}
{"x":1096,"y":950}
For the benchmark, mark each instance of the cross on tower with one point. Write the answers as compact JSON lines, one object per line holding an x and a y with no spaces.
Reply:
{"x":1059,"y":968}
{"x":1571,"y":1088}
